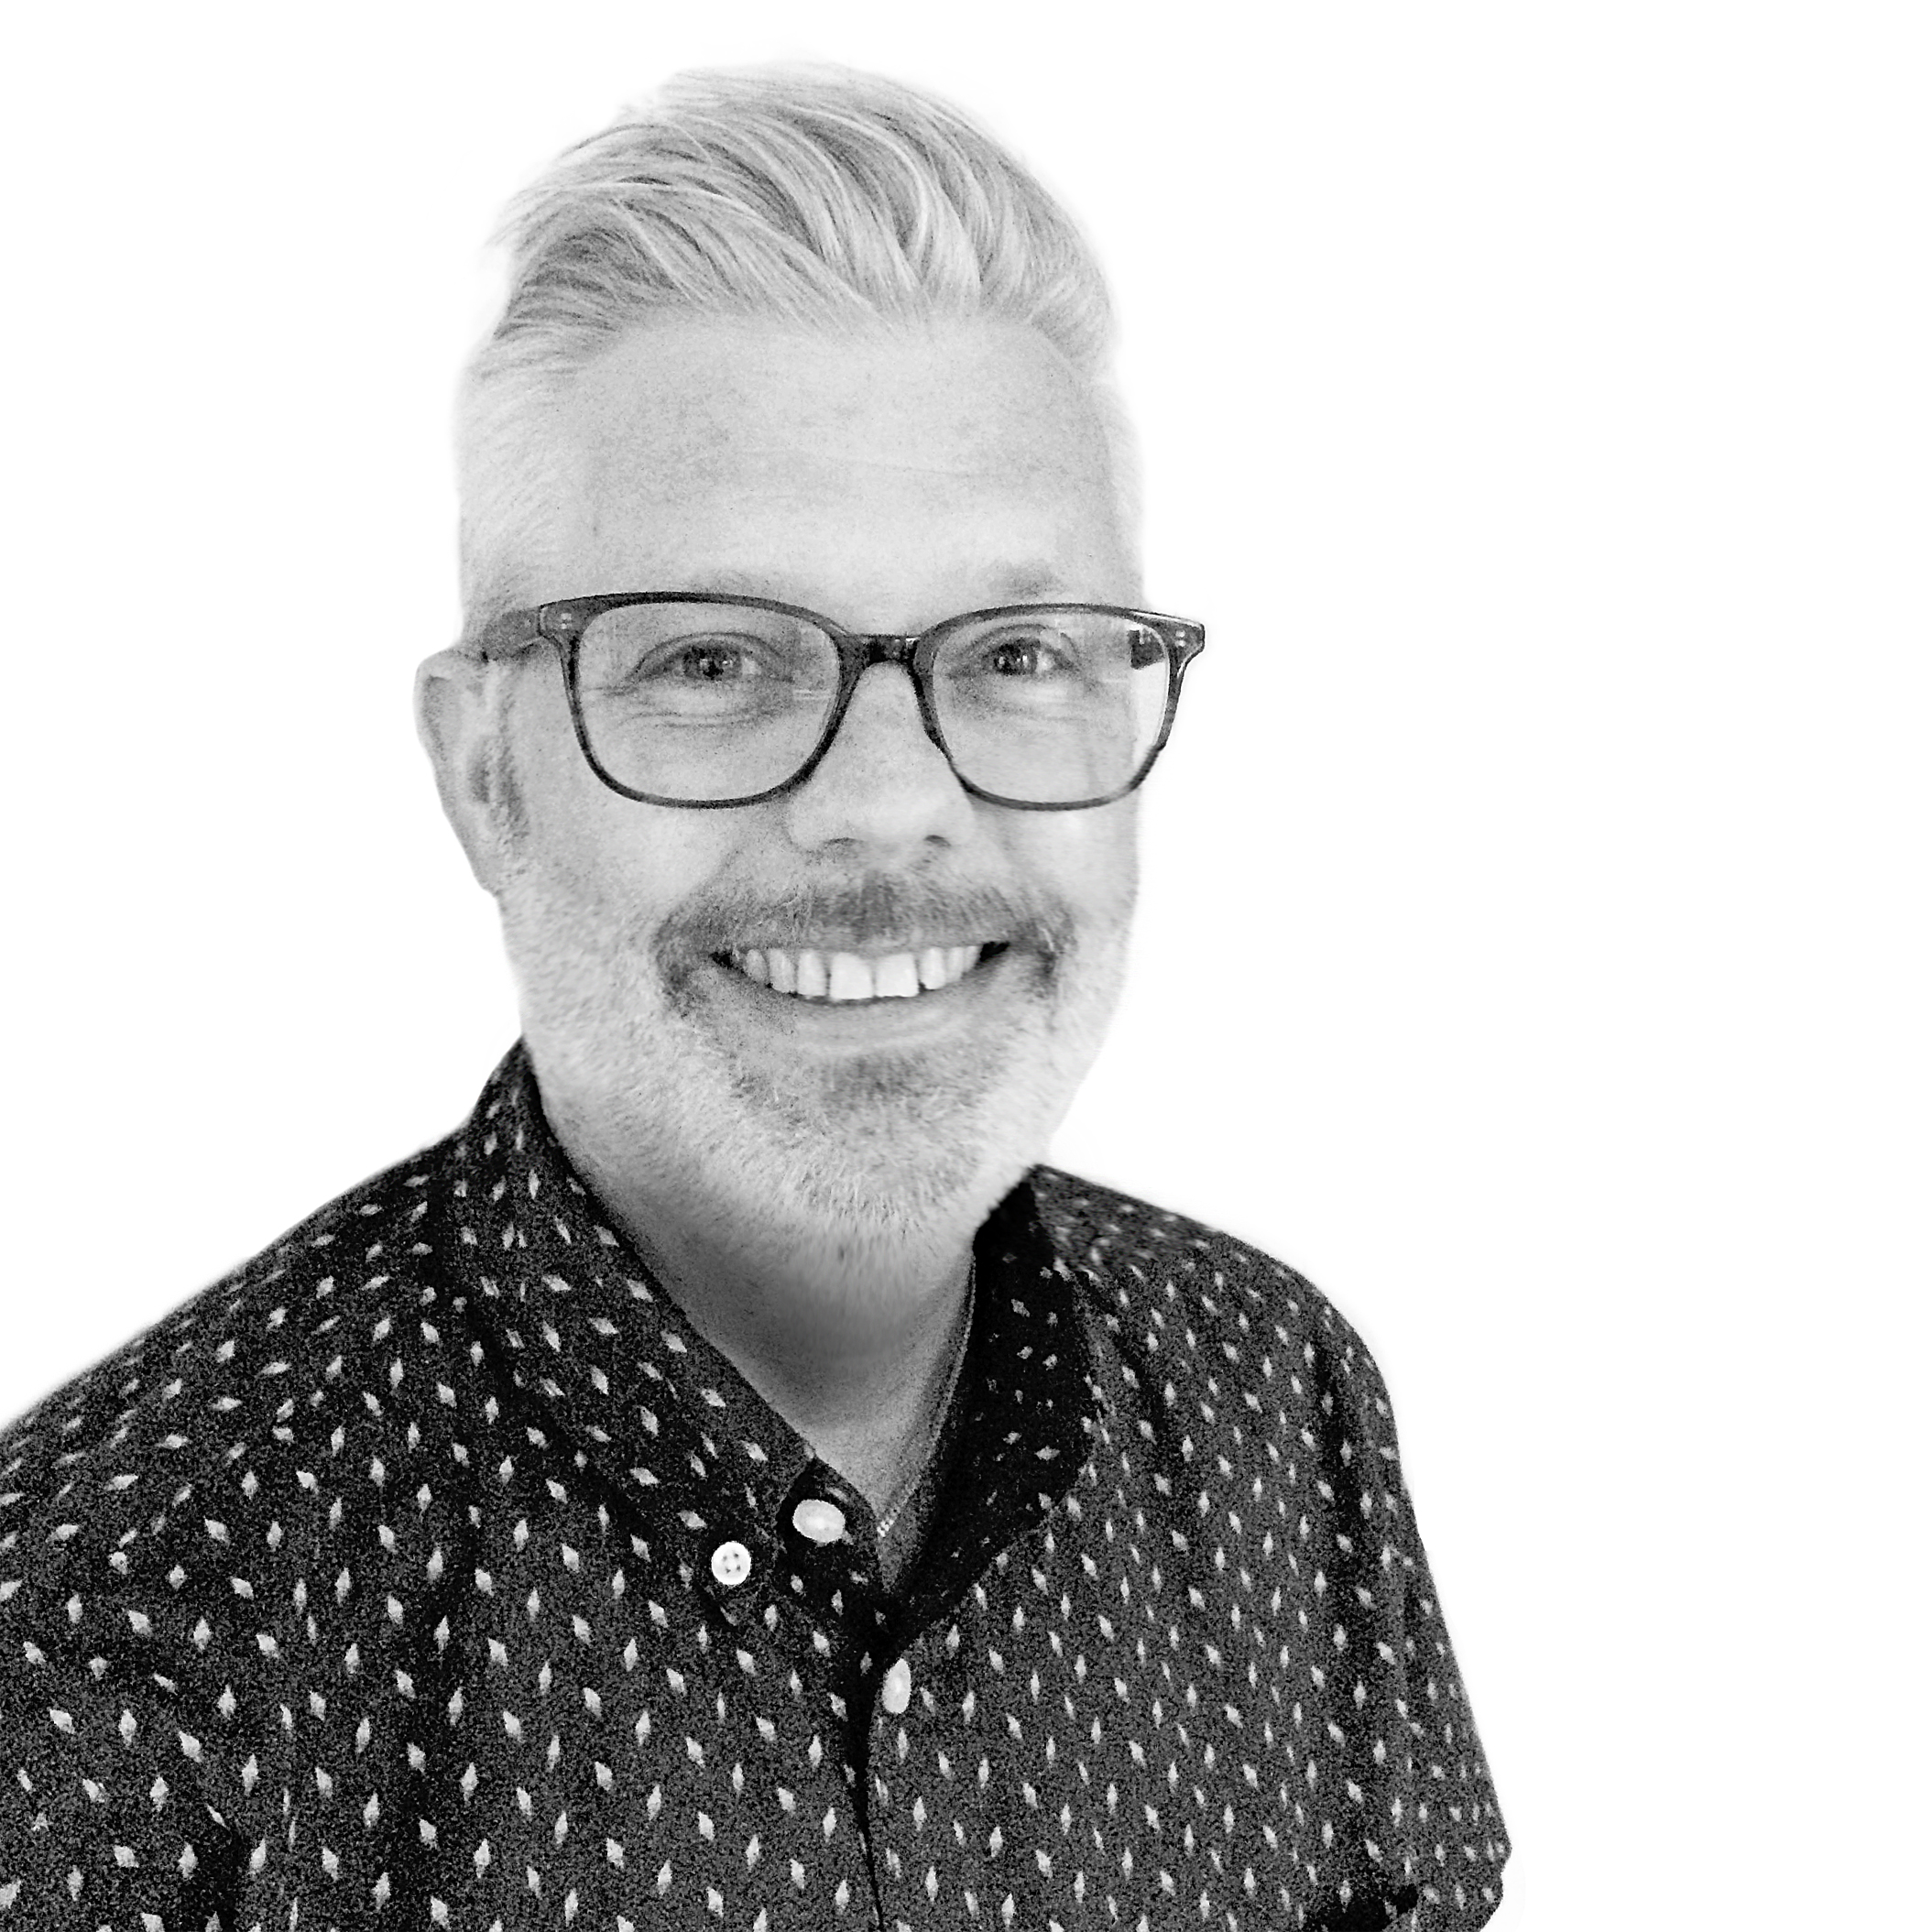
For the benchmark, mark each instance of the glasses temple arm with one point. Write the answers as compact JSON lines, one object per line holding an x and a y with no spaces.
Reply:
{"x":507,"y":635}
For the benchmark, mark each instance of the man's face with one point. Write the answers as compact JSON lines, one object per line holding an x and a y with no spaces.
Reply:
{"x":887,"y":481}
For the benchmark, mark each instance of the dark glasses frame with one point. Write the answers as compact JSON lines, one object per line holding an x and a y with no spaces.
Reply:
{"x":562,"y":625}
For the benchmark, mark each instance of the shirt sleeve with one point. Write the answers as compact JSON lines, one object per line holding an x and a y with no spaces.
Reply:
{"x":103,"y":1822}
{"x":1448,"y":1828}
{"x":1456,"y":1834}
{"x":1425,"y":1835}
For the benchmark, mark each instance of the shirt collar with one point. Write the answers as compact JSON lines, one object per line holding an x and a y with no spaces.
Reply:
{"x":590,"y":1337}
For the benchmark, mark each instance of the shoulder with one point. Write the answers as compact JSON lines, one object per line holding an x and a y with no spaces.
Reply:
{"x":1183,"y":1318}
{"x":1239,"y":1377}
{"x":1211,"y":1305}
{"x":263,"y":1352}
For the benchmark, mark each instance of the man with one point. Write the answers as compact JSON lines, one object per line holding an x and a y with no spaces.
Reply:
{"x":731,"y":1480}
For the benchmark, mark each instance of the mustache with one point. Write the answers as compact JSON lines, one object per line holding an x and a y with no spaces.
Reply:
{"x":881,"y":911}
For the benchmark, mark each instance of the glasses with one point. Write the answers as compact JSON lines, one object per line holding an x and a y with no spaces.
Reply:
{"x":681,"y":698}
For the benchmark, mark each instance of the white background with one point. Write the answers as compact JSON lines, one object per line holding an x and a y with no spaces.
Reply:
{"x":1533,"y":941}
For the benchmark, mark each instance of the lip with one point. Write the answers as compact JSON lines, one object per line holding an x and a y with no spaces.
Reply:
{"x":867,"y":1023}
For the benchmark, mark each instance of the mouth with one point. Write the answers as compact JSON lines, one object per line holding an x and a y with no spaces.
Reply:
{"x":835,"y":977}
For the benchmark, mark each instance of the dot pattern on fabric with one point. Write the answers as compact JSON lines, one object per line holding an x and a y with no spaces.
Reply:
{"x":430,"y":1570}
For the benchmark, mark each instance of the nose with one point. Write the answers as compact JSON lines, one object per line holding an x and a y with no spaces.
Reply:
{"x":883,"y":789}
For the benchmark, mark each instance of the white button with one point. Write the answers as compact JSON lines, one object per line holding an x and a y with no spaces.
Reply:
{"x":898,"y":1691}
{"x":731,"y":1563}
{"x":823,"y":1521}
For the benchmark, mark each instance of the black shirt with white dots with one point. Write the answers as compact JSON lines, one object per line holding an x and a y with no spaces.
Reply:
{"x":432,"y":1570}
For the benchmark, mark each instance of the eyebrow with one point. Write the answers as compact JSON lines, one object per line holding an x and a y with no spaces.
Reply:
{"x":1016,"y":583}
{"x":723,"y":583}
{"x":1026,"y":581}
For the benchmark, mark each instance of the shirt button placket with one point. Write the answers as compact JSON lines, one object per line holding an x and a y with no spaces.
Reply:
{"x":896,"y":1692}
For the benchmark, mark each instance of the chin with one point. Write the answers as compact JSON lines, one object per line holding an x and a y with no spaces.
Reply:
{"x":858,"y":1159}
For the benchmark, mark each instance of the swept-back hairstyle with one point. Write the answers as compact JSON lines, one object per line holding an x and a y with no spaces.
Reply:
{"x":811,"y":195}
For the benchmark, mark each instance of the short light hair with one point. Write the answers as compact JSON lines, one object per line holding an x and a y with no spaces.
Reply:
{"x":807,"y":194}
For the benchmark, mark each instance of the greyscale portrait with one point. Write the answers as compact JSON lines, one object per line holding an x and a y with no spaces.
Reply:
{"x":735,"y":1478}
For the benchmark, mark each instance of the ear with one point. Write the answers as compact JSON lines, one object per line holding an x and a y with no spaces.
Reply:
{"x":458,"y":725}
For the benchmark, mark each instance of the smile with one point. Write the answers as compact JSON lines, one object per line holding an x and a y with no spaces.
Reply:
{"x":821,"y":974}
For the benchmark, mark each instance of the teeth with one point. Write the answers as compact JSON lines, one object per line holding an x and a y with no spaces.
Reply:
{"x":896,"y":976}
{"x":844,"y":977}
{"x":851,"y":978}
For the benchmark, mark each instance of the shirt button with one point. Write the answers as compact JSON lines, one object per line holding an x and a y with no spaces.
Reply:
{"x":823,"y":1521}
{"x":898,"y":1691}
{"x":731,"y":1563}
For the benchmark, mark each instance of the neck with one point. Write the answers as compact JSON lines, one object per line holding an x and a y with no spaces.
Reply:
{"x":850,"y":1337}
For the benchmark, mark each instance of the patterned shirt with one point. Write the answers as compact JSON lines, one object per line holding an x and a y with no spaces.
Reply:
{"x":432,"y":1570}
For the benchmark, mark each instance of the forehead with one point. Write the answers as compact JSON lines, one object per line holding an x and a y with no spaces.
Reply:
{"x":741,"y":449}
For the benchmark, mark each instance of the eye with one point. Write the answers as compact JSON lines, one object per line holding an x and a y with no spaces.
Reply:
{"x":703,"y":661}
{"x":1026,"y":652}
{"x":717,"y":659}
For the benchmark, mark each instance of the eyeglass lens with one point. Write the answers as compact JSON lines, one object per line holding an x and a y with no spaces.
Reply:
{"x":706,"y":701}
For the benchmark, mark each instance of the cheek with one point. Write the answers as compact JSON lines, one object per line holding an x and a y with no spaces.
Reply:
{"x":1092,"y":860}
{"x":628,"y":864}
